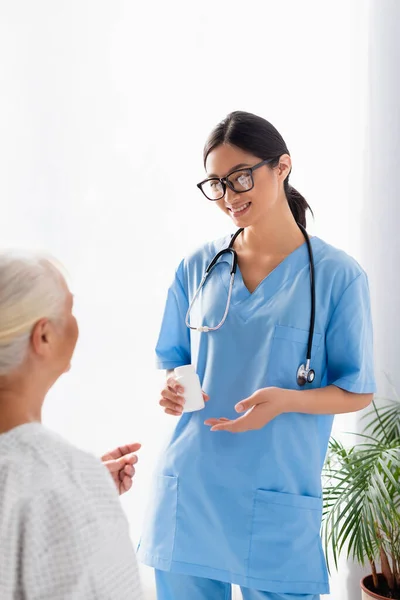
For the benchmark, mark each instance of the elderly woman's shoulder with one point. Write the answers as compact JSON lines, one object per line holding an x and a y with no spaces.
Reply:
{"x":36,"y":461}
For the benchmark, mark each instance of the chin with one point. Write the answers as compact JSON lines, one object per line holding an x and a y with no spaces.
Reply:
{"x":242,"y":221}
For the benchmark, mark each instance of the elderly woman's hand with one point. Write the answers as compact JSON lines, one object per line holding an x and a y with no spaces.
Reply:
{"x":120,"y":463}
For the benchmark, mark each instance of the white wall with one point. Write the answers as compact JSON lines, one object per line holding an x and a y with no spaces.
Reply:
{"x":104,"y":109}
{"x":381,"y":241}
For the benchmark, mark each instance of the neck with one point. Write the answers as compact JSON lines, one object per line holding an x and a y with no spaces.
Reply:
{"x":277,"y":234}
{"x":19,"y":405}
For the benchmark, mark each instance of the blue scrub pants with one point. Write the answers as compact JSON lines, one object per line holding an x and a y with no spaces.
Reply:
{"x":173,"y":586}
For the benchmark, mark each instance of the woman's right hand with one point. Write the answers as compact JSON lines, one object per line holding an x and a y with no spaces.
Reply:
{"x":172,"y":399}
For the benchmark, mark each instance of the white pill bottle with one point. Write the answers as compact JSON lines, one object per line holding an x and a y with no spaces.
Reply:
{"x":187,"y":377}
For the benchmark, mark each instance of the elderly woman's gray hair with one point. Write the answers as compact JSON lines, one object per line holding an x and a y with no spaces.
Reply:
{"x":31,"y":288}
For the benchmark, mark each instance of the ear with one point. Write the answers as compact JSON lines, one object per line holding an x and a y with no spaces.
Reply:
{"x":42,"y":337}
{"x":284,"y":167}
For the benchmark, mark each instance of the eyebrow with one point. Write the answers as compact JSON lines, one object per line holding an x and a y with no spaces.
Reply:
{"x":235,"y":168}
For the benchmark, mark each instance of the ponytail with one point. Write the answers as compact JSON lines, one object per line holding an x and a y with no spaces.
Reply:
{"x":297,"y":204}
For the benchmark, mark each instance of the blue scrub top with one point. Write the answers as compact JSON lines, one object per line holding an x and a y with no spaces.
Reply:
{"x":246,"y":508}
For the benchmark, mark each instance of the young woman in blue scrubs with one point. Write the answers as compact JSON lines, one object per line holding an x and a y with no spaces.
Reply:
{"x":237,"y":498}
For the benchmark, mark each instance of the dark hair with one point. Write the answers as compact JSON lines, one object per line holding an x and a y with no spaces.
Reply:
{"x":258,"y":137}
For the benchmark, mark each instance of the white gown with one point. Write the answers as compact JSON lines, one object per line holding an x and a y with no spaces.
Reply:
{"x":63,"y":533}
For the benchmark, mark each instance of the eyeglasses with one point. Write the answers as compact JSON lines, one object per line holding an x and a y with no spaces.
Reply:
{"x":239,"y":181}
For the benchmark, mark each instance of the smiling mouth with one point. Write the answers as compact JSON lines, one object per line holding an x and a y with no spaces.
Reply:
{"x":240,"y":209}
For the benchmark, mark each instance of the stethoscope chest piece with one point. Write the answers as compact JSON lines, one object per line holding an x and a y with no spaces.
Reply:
{"x":305,"y":375}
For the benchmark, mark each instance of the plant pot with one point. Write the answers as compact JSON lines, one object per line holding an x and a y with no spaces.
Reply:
{"x":368,"y":591}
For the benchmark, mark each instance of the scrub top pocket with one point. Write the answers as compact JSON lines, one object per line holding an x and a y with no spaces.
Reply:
{"x":286,"y":544}
{"x":288,"y":352}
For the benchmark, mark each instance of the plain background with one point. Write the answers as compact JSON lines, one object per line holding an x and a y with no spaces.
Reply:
{"x":104,"y":110}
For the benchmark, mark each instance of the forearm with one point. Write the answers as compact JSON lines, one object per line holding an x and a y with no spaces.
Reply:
{"x":330,"y":400}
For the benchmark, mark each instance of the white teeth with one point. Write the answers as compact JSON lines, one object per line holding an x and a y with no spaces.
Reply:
{"x":241,"y":208}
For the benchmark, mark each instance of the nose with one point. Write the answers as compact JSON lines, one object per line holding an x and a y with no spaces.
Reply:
{"x":230,"y":196}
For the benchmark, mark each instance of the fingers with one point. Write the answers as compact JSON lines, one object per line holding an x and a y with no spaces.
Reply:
{"x":130,"y":471}
{"x":129,"y":459}
{"x":245,"y":405}
{"x":127,"y":471}
{"x":172,"y":407}
{"x":259,"y":397}
{"x":121,"y":451}
{"x":174,"y":386}
{"x":117,"y":464}
{"x":171,"y":396}
{"x":213,"y":422}
{"x":235,"y":426}
{"x":125,"y":485}
{"x":172,"y":399}
{"x":174,"y":404}
{"x":244,"y":423}
{"x":129,"y":448}
{"x":174,"y":413}
{"x":125,"y":478}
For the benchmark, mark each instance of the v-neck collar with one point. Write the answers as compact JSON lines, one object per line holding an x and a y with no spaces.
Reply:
{"x":247,"y":302}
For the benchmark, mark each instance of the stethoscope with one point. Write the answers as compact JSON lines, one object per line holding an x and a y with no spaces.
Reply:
{"x":304,"y":373}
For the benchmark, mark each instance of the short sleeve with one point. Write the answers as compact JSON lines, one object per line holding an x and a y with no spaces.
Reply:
{"x":349,"y":340}
{"x":173,"y":346}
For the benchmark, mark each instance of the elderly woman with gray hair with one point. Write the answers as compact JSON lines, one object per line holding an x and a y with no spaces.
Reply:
{"x":63,"y":534}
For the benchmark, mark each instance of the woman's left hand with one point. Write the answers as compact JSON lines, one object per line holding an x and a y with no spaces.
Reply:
{"x":260,"y":408}
{"x":119,"y":463}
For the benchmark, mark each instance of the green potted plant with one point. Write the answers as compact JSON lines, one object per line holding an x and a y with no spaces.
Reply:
{"x":362,"y":501}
